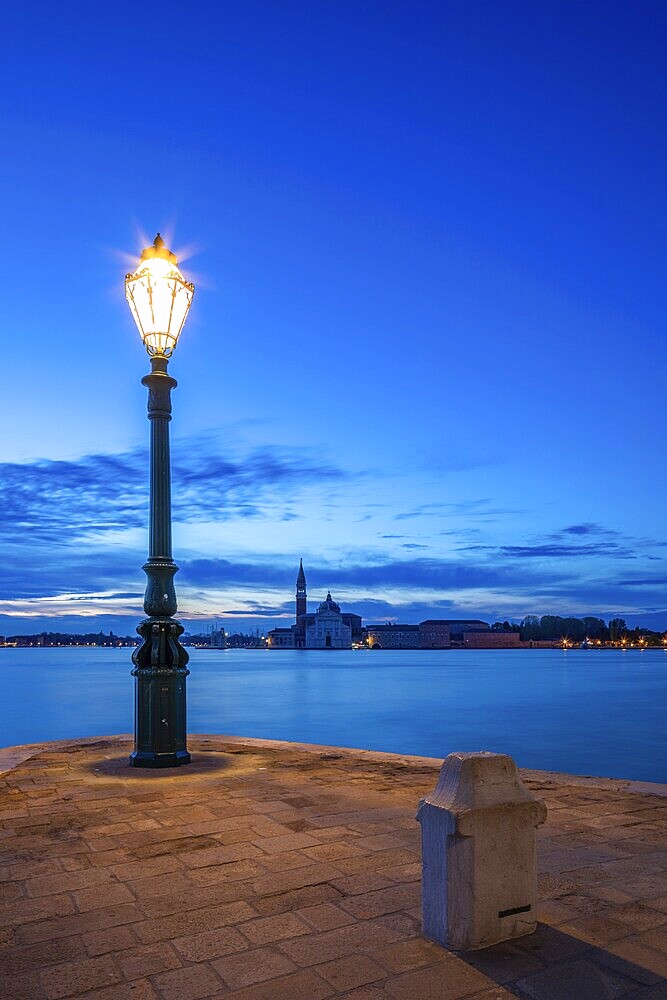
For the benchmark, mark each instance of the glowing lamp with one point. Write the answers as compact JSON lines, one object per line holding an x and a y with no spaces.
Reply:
{"x":159,"y":298}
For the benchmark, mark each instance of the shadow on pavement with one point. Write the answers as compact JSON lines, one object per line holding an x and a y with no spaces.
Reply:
{"x":203,"y":763}
{"x":552,"y":965}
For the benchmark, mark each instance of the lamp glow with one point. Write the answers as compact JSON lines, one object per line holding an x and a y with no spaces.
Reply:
{"x":159,"y":298}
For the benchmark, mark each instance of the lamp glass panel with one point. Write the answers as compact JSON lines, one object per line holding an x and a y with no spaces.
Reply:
{"x":159,"y":298}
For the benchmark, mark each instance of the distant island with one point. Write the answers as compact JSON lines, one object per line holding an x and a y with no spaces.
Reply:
{"x":583,"y":631}
{"x":329,"y":627}
{"x":532,"y":632}
{"x":69,"y":639}
{"x":215,"y":638}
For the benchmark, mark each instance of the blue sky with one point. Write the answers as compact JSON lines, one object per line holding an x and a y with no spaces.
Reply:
{"x":426,"y":351}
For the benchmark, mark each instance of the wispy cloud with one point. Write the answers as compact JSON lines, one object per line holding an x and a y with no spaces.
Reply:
{"x":576,"y":541}
{"x":54,"y":501}
{"x":74,"y":535}
{"x":270,"y":611}
{"x":555,"y":551}
{"x":480,"y":508}
{"x":34,"y":570}
{"x":409,"y":589}
{"x":587,"y":528}
{"x":357,"y":574}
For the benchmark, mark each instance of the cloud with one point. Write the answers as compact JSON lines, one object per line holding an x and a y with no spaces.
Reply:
{"x":60,"y":501}
{"x":555,"y":551}
{"x":99,"y":579}
{"x":410,"y":574}
{"x":481,"y":508}
{"x":410,"y":611}
{"x":260,"y":611}
{"x":129,"y":596}
{"x":218,"y":573}
{"x":584,"y":540}
{"x":34,"y":571}
{"x":74,"y":539}
{"x":408,"y":590}
{"x":588,"y":528}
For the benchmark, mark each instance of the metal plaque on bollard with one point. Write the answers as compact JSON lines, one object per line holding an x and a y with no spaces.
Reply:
{"x":479,"y":867}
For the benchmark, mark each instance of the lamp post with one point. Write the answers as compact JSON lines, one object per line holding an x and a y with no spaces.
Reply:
{"x":159,"y":298}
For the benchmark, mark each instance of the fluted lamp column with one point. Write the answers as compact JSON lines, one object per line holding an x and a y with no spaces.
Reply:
{"x":159,"y":298}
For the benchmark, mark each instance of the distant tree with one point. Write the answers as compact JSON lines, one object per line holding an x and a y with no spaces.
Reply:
{"x":644,"y":637}
{"x":552,"y":627}
{"x":596,"y":628}
{"x":505,"y":627}
{"x":555,"y":627}
{"x":617,"y":629}
{"x":530,"y":628}
{"x":575,"y":629}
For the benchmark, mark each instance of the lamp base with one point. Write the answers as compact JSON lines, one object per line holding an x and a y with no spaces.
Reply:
{"x":147,"y":758}
{"x":160,"y":671}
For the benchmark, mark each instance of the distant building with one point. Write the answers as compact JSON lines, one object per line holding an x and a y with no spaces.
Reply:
{"x":331,"y":628}
{"x":434,"y":634}
{"x":490,"y":639}
{"x":301,"y":596}
{"x":459,"y":627}
{"x":218,"y":638}
{"x":448,"y":633}
{"x":327,"y":628}
{"x":281,"y":638}
{"x":392,"y":636}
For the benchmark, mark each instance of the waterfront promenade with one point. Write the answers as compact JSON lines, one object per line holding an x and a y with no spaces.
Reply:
{"x":268,"y":871}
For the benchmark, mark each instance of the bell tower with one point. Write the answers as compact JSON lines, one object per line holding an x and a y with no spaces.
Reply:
{"x":300,"y":592}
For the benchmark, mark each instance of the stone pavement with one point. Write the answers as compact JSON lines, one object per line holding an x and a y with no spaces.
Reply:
{"x":268,"y":871}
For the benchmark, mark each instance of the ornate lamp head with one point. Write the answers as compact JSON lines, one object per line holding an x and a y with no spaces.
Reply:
{"x":159,"y":298}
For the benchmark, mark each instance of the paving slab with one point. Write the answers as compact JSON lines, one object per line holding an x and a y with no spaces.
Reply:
{"x":278,"y":871}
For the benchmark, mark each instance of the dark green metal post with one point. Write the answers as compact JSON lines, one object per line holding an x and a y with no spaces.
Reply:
{"x":160,"y":662}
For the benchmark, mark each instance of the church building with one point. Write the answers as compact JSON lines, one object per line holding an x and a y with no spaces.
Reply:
{"x":327,"y":628}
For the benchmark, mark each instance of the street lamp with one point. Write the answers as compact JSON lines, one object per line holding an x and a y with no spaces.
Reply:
{"x":159,"y":298}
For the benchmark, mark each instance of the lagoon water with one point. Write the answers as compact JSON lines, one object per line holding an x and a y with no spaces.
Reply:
{"x":584,"y":712}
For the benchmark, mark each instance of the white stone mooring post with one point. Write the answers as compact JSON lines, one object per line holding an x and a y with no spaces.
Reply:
{"x":479,"y":866}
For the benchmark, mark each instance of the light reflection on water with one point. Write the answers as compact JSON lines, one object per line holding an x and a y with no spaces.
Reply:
{"x":585,"y":712}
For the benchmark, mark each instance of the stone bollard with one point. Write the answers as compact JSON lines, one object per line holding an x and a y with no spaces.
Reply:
{"x":479,"y":869}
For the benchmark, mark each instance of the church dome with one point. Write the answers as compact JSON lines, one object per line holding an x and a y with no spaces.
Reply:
{"x":329,"y":604}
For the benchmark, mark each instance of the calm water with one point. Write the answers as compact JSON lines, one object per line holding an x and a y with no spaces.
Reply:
{"x":586,"y":712}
